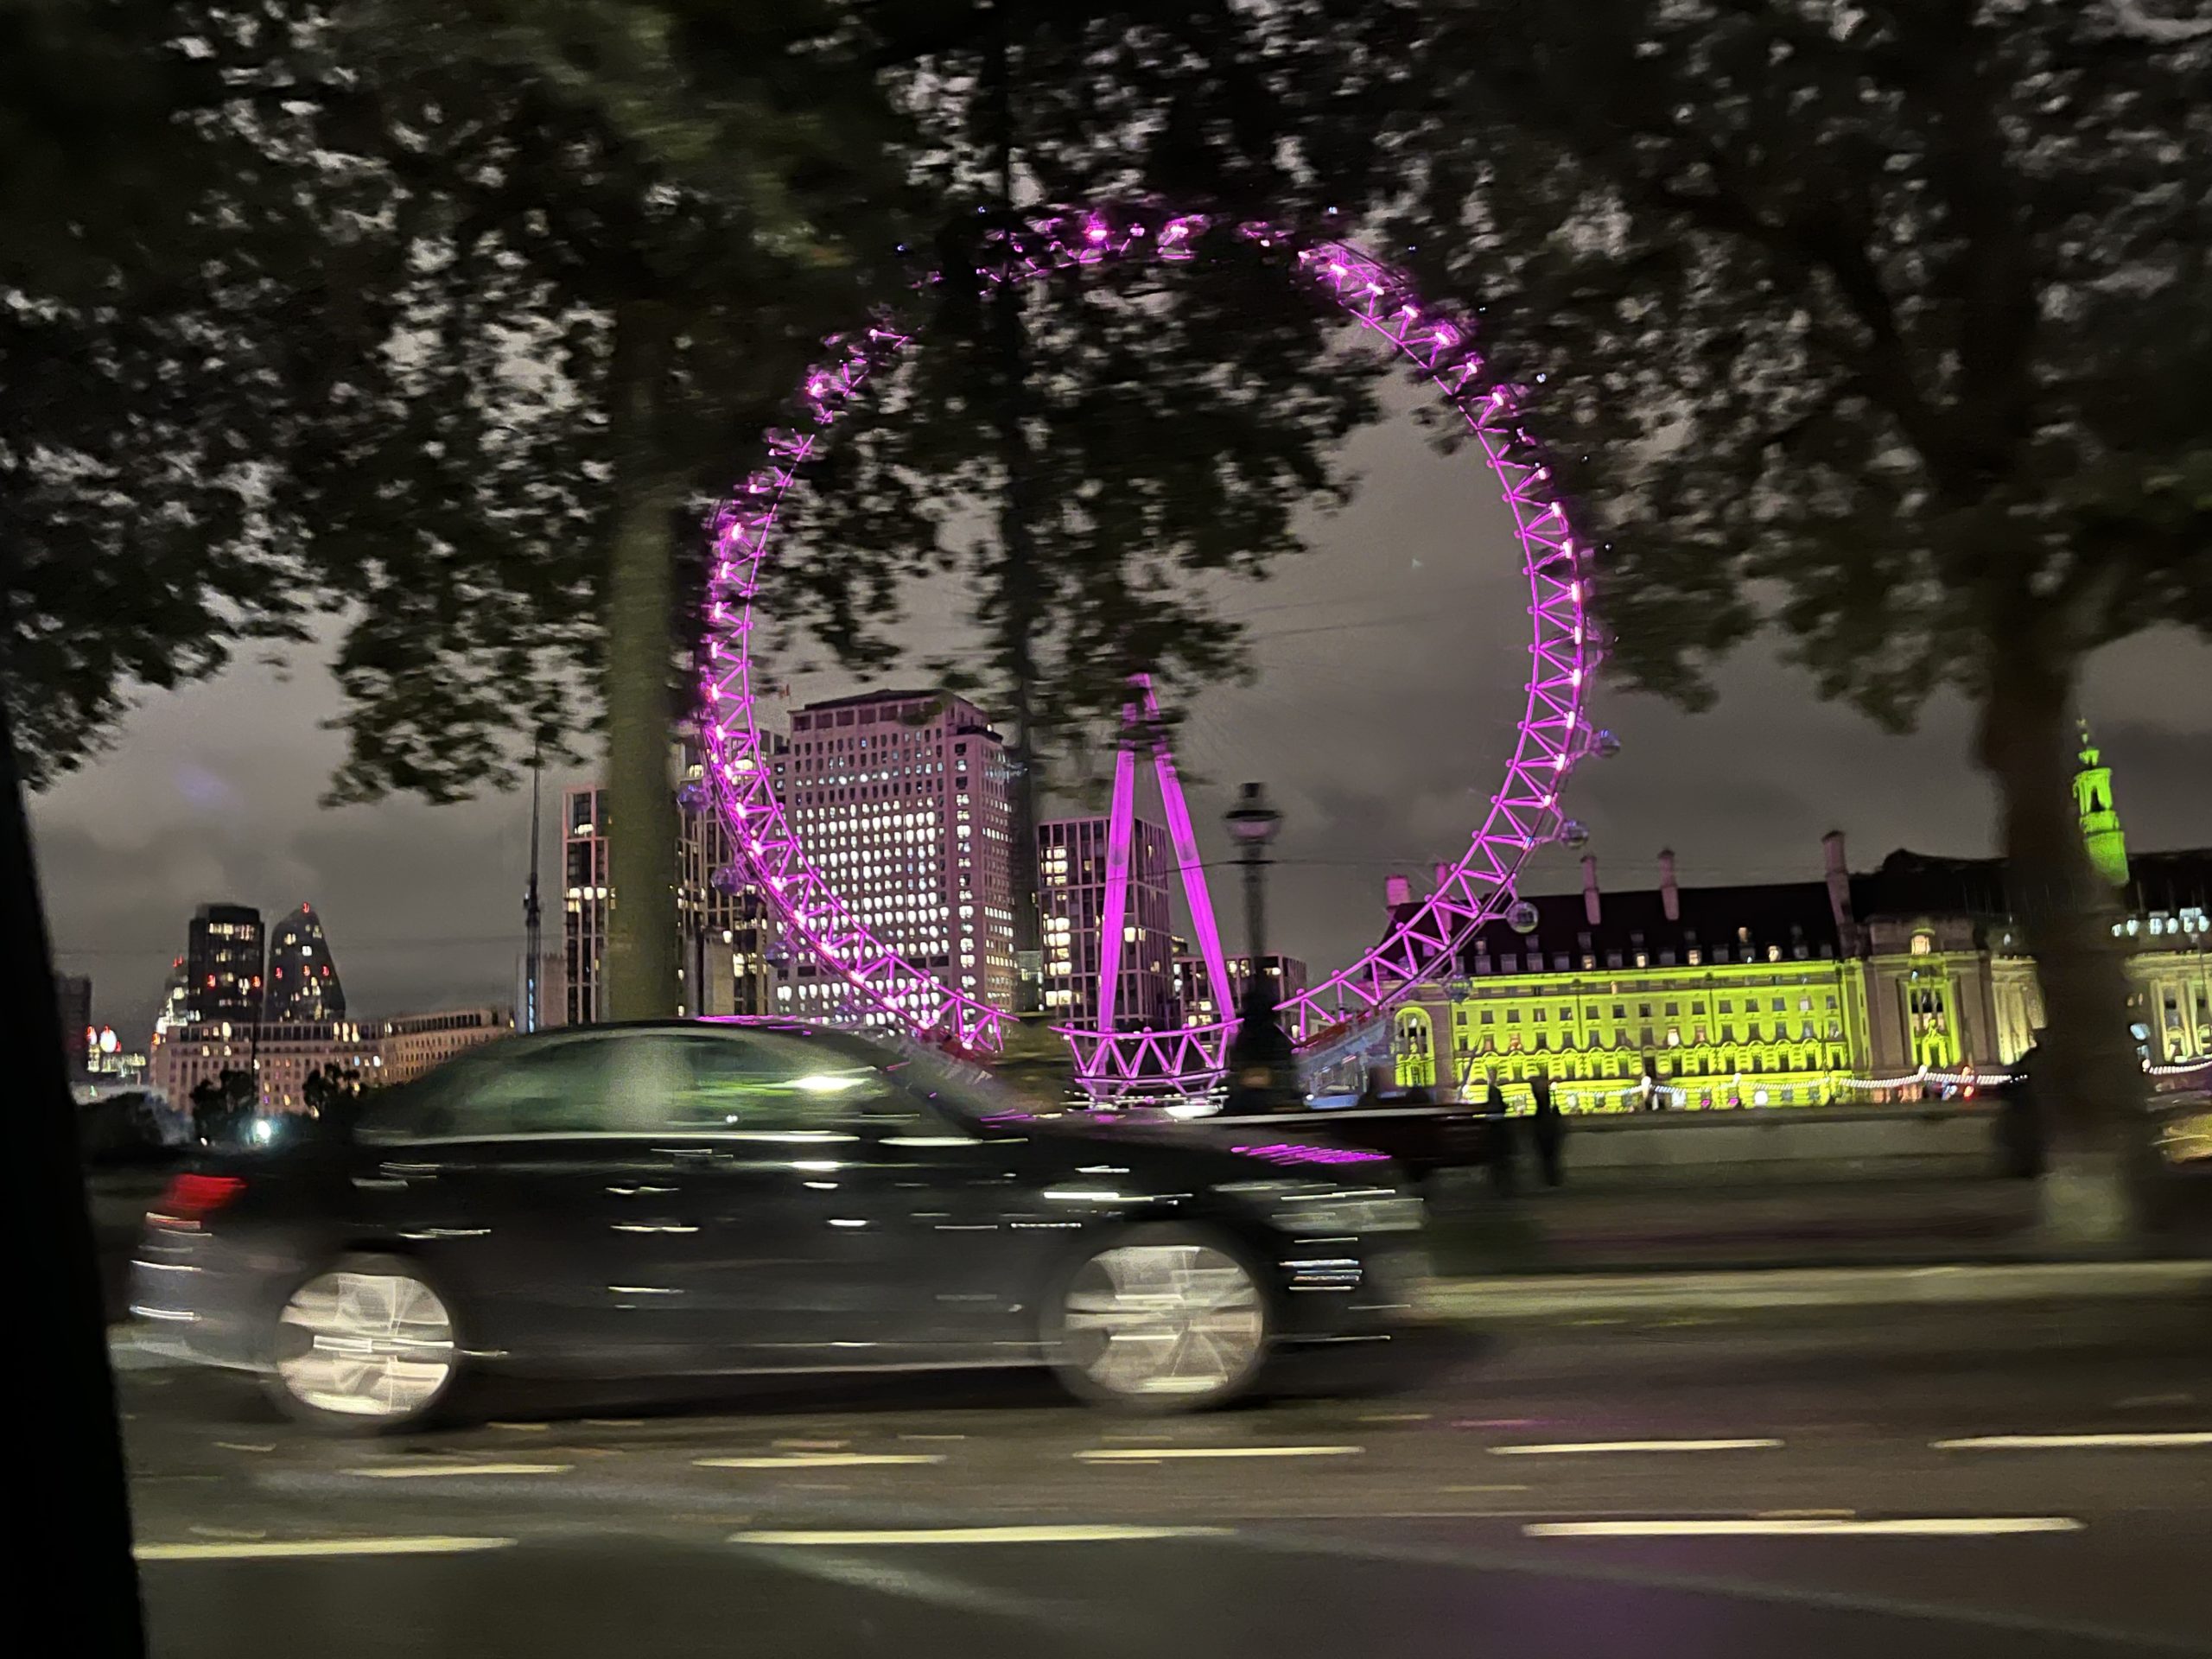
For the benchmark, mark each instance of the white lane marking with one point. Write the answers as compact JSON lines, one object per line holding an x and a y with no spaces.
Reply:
{"x":876,"y":1574}
{"x":1155,"y":1454}
{"x":1985,"y":1526}
{"x":1033,"y":1534}
{"x":1567,"y":1448}
{"x":277,"y":1548}
{"x":2060,"y":1442}
{"x":443,"y":1471}
{"x":818,"y":1460}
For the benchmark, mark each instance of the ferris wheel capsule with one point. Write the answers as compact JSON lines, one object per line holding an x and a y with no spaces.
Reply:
{"x":1521,"y":917}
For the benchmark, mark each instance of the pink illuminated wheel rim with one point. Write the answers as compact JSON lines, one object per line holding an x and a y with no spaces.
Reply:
{"x":1337,"y":1013}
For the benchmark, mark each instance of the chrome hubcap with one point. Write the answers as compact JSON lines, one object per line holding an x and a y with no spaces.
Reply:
{"x":1163,"y":1319}
{"x":367,"y":1344}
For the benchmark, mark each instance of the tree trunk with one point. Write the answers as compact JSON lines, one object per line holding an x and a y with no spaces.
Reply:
{"x":1021,"y":581}
{"x":2088,"y":1088}
{"x":641,"y":820}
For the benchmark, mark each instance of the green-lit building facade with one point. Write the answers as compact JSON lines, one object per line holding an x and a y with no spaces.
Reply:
{"x":1840,"y":989}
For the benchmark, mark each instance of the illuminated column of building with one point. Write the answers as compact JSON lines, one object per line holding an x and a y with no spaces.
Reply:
{"x":902,"y":800}
{"x":2101,"y":830}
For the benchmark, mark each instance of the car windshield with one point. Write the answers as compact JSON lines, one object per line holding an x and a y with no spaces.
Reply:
{"x":960,"y":1088}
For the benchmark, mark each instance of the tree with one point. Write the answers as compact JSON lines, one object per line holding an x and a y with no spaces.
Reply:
{"x":331,"y":1087}
{"x":147,"y":250}
{"x":454,"y":317}
{"x":223,"y":1106}
{"x":1889,"y":326}
{"x":1092,"y":453}
{"x":649,"y":210}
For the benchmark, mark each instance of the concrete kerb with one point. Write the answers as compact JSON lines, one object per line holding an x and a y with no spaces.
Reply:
{"x":1548,"y":1296}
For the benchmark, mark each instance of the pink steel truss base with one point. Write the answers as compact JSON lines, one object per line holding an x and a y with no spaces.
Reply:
{"x":1340,"y":1012}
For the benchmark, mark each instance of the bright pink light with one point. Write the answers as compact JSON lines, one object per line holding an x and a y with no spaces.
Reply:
{"x":1120,"y":829}
{"x":1292,"y":1152}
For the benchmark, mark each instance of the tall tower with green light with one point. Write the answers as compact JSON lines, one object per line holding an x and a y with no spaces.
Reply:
{"x":2101,"y":830}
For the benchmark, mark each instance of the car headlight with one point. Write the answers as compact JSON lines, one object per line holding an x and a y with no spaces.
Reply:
{"x":1321,"y":1207}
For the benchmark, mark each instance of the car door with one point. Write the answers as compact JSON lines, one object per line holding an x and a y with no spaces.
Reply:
{"x":844,"y":1214}
{"x":525,"y":1179}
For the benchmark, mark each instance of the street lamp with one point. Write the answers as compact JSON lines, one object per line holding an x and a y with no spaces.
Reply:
{"x":1262,"y":1069}
{"x":1254,"y":821}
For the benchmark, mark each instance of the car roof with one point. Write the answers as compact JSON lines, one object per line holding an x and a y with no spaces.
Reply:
{"x":852,"y":1042}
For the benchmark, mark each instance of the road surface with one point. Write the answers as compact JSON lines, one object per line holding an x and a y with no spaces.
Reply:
{"x":2019,"y":1482}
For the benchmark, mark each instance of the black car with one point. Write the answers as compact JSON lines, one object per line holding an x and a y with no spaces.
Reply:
{"x":710,"y":1199}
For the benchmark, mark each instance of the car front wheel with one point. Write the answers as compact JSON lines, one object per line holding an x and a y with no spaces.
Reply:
{"x":1160,"y":1318}
{"x":367,"y":1344}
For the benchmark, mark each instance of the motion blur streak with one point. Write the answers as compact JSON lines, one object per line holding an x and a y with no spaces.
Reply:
{"x":271,"y":1549}
{"x":1924,"y":1527}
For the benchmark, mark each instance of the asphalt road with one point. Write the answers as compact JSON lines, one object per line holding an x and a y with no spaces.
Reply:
{"x":1819,"y":1484}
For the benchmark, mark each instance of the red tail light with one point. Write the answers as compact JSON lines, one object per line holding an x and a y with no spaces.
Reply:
{"x":190,"y":1196}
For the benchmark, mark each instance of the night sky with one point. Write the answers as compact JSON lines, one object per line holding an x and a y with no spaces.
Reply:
{"x":1391,"y":662}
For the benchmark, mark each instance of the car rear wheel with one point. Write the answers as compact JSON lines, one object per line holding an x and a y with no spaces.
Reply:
{"x":365,"y":1345}
{"x":1160,"y":1318}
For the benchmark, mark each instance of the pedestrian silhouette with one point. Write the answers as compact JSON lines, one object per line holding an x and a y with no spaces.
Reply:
{"x":1547,"y":1129}
{"x":1498,"y":1138}
{"x":2021,"y":1117}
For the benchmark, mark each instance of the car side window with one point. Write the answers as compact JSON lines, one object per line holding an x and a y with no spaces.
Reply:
{"x":765,"y":1084}
{"x":557,"y":1088}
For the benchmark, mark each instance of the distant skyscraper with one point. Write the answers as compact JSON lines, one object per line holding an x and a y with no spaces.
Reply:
{"x":1071,"y":883}
{"x":176,"y":1002}
{"x":723,"y":938}
{"x":222,"y":965}
{"x":901,"y":800}
{"x":75,"y":992}
{"x":1286,"y":976}
{"x":583,"y":904}
{"x":302,"y":980}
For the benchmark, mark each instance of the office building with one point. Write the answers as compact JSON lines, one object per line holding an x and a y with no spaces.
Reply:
{"x":223,"y":965}
{"x":725,"y":936}
{"x":283,"y":1054}
{"x":411,"y":1044}
{"x":1286,"y":976}
{"x":900,"y":799}
{"x":302,"y":980}
{"x":1071,"y":894}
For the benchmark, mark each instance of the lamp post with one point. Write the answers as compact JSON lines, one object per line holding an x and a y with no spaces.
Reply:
{"x":1262,"y":1069}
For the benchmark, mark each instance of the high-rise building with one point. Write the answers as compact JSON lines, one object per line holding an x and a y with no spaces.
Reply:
{"x":900,"y":799}
{"x":74,"y":992}
{"x":302,"y":980}
{"x":584,"y":906}
{"x":1071,"y":893}
{"x":222,"y":965}
{"x":177,"y":1002}
{"x":1286,"y":976}
{"x":724,"y":936}
{"x":725,"y":933}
